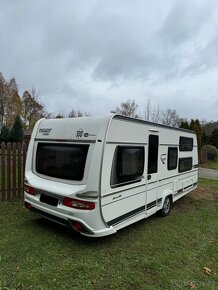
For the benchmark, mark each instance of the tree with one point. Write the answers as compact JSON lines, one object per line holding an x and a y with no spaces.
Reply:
{"x":10,"y":102}
{"x":214,"y":138}
{"x":3,"y":99}
{"x":33,"y":110}
{"x":170,"y":117}
{"x":128,"y":108}
{"x":78,"y":113}
{"x":16,"y":132}
{"x":152,"y":113}
{"x":4,"y":134}
{"x":185,"y":125}
{"x":14,"y":103}
{"x":196,"y":126}
{"x":205,"y":139}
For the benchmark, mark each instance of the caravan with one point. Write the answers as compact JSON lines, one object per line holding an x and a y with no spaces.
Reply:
{"x":98,"y":175}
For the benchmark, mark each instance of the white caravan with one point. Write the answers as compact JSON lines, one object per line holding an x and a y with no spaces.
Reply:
{"x":98,"y":175}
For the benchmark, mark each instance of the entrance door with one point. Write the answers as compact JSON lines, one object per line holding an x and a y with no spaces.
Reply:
{"x":152,"y":173}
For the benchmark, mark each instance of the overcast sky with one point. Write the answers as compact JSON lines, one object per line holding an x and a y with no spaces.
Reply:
{"x":92,"y":55}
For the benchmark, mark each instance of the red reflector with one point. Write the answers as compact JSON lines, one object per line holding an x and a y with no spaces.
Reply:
{"x":77,"y":227}
{"x":79,"y":204}
{"x":29,"y":189}
{"x":27,"y":205}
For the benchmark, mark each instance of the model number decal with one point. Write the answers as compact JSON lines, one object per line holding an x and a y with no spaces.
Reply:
{"x":79,"y":133}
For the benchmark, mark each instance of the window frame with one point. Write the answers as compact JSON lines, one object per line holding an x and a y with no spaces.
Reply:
{"x":114,"y":178}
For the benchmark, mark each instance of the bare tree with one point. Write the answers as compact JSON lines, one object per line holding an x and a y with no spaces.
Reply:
{"x":10,"y":102}
{"x":151,"y":112}
{"x":33,"y":109}
{"x":127,"y":108}
{"x":3,"y":99}
{"x":170,"y":117}
{"x":77,"y":114}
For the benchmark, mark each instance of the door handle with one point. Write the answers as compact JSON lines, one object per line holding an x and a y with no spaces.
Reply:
{"x":149,"y":176}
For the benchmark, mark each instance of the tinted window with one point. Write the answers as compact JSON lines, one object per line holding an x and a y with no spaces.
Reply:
{"x":128,"y":165}
{"x":185,"y":164}
{"x":172,"y":158}
{"x":152,"y":153}
{"x":185,"y":144}
{"x":61,"y":161}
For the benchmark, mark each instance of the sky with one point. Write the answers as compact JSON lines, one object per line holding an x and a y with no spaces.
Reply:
{"x":92,"y":55}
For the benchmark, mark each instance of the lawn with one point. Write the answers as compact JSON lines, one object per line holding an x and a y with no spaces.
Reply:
{"x":176,"y":252}
{"x":210,"y":164}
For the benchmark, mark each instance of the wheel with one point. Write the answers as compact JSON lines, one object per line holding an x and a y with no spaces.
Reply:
{"x":166,"y":207}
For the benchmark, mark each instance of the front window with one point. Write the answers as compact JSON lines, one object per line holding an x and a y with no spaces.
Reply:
{"x":65,"y":161}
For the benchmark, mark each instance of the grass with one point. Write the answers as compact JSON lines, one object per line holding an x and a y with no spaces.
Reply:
{"x":210,"y":164}
{"x":156,"y":253}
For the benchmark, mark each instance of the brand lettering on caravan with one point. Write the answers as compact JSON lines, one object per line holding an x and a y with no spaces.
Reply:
{"x":45,"y":131}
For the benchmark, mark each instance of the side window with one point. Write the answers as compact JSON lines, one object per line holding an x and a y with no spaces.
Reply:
{"x":185,"y":164}
{"x":185,"y":144}
{"x":128,"y":165}
{"x":172,"y":158}
{"x":152,"y":153}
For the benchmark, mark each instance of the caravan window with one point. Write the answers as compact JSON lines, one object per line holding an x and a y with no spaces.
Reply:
{"x":64,"y":161}
{"x":185,"y":144}
{"x":172,"y":158}
{"x":128,"y":165}
{"x":185,"y":164}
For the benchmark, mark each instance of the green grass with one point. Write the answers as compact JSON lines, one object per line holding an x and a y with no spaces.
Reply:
{"x":156,"y":253}
{"x":205,"y":182}
{"x":210,"y":164}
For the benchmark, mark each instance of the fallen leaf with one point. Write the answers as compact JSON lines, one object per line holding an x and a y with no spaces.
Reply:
{"x":192,"y":285}
{"x":207,"y":270}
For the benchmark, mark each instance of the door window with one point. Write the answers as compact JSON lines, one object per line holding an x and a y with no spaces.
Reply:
{"x":153,"y":153}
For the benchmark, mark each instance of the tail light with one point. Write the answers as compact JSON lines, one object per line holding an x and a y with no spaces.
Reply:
{"x":78,"y":204}
{"x":29,"y":189}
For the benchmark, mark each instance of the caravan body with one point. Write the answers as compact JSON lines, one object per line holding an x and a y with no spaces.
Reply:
{"x":99,"y":175}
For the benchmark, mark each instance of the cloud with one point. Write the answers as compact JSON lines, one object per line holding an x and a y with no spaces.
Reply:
{"x":95,"y":54}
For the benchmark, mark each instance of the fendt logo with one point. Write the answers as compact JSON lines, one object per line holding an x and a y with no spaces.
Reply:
{"x":79,"y":133}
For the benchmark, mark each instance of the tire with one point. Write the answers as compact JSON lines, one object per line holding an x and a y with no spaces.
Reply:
{"x":165,"y":211}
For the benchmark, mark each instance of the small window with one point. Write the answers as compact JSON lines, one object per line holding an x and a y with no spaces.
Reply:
{"x":172,"y":158}
{"x":185,"y":164}
{"x":128,"y":165}
{"x":153,"y":153}
{"x":185,"y":144}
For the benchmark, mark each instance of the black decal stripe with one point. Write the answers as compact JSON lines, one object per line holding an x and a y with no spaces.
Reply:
{"x":189,"y":186}
{"x":151,"y":204}
{"x":126,"y":216}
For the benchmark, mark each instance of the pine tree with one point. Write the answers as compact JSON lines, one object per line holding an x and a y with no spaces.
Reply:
{"x":4,"y":134}
{"x":16,"y":133}
{"x":214,"y":138}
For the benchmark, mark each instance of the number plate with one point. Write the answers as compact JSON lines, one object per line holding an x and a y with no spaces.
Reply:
{"x":49,"y":200}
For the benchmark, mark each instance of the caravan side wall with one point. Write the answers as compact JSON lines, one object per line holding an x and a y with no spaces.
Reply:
{"x":144,"y":191}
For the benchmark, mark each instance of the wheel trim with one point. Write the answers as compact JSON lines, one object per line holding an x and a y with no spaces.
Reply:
{"x":166,"y":205}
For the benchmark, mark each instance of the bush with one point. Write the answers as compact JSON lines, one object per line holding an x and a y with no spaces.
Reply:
{"x":212,"y":152}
